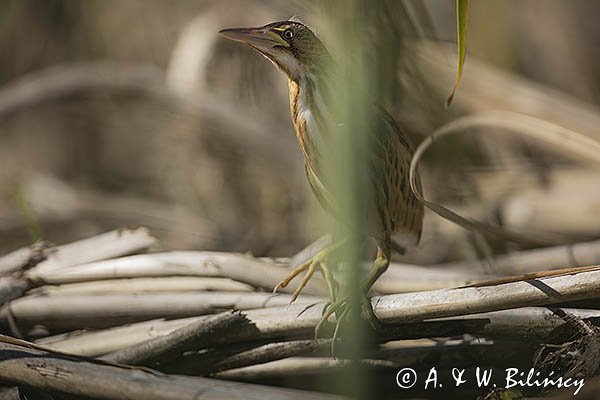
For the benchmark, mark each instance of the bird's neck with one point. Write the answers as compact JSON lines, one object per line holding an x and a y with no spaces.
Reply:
{"x":309,"y":113}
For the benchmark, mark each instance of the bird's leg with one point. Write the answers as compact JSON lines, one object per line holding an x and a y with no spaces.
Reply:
{"x":380,"y":265}
{"x":319,"y":260}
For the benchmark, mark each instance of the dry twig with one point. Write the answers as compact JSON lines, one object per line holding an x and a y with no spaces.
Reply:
{"x":59,"y":373}
{"x":199,"y":334}
{"x":101,"y":311}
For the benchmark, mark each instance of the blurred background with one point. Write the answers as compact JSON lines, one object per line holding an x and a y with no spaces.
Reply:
{"x":135,"y":112}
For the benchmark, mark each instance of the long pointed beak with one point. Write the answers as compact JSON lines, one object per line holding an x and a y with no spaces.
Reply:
{"x":256,"y":37}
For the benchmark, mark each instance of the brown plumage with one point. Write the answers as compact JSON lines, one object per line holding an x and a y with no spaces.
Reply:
{"x":394,"y":210}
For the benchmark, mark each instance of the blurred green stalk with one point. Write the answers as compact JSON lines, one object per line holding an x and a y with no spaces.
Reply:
{"x":362,"y":78}
{"x":20,"y":201}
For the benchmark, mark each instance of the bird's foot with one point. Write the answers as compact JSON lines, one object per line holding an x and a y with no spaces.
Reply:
{"x":319,"y":261}
{"x":341,"y":309}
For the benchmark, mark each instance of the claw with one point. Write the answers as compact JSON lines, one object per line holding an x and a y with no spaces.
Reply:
{"x":338,"y":323}
{"x":297,"y":271}
{"x":323,"y":320}
{"x":342,"y":310}
{"x":309,"y":267}
{"x":328,"y":312}
{"x":307,"y":276}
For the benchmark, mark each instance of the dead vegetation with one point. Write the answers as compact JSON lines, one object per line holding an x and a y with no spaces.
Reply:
{"x":93,"y":298}
{"x":107,"y":123}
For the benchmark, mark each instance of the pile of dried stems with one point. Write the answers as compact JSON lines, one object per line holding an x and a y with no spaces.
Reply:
{"x":110,"y":320}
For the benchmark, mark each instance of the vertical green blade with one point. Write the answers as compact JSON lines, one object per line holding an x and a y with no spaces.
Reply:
{"x":462,"y":10}
{"x":28,"y":213}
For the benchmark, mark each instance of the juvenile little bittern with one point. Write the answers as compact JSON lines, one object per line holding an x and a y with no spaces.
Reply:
{"x":298,"y":53}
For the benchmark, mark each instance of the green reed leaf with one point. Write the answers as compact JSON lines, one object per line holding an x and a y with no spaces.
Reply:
{"x":462,"y":10}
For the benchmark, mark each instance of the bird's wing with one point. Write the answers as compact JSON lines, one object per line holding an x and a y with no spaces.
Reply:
{"x":400,"y":212}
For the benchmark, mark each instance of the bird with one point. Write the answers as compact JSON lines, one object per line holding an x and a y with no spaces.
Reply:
{"x":395,"y":210}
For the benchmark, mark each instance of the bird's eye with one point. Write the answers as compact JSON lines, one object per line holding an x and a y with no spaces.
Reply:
{"x":288,"y":34}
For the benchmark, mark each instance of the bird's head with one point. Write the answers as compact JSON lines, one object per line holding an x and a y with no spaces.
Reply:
{"x":290,"y":45}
